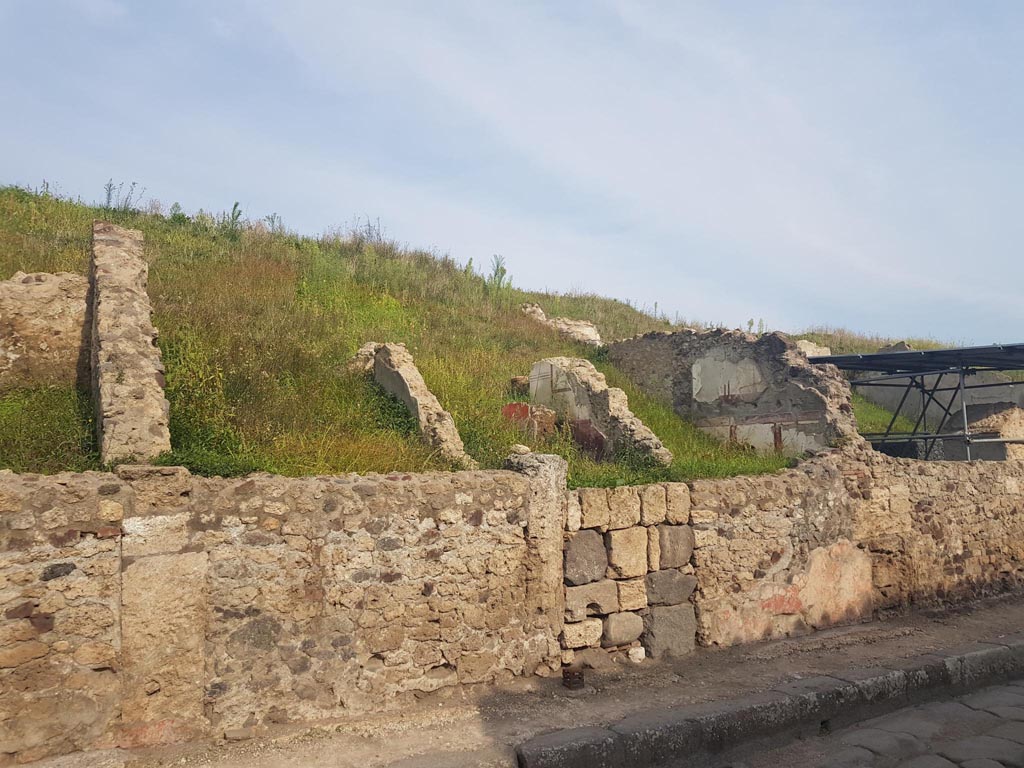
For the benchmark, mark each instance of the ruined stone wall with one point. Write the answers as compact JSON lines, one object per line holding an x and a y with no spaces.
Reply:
{"x":598,"y":414}
{"x":132,"y":414}
{"x":150,"y":606}
{"x":43,"y":330}
{"x":844,"y":537}
{"x":756,"y":390}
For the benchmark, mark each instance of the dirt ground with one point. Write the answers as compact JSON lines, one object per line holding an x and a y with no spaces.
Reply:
{"x":481,"y":729}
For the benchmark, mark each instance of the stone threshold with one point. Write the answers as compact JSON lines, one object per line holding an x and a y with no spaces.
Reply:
{"x":707,"y":734}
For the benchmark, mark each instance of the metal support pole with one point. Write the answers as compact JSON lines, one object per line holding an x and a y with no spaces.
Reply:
{"x":963,"y":411}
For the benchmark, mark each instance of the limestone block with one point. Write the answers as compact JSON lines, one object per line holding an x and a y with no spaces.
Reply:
{"x":670,"y":630}
{"x":583,"y":634}
{"x":676,"y":542}
{"x":164,"y":615}
{"x":594,"y":508}
{"x":598,"y":598}
{"x":632,"y":594}
{"x":622,"y":628}
{"x":653,"y":548}
{"x":627,"y":552}
{"x":811,"y":349}
{"x":573,"y":512}
{"x":669,"y":587}
{"x":624,"y":507}
{"x":581,"y":331}
{"x":653,"y":504}
{"x":586,"y":559}
{"x":678,"y":503}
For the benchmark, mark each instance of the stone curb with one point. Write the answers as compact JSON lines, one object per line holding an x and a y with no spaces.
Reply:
{"x":693,"y":735}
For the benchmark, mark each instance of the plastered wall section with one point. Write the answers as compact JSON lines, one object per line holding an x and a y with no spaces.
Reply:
{"x":152,"y":606}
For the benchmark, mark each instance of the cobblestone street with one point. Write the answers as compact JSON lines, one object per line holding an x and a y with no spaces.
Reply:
{"x":980,"y":730}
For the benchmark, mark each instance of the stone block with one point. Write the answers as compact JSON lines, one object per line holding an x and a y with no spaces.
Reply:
{"x":677,"y":496}
{"x":676,"y":543}
{"x":653,"y":504}
{"x":624,"y":507}
{"x":583,"y":634}
{"x":669,"y":587}
{"x":632,"y":594}
{"x":622,"y":628}
{"x":627,"y":552}
{"x":598,"y":598}
{"x":670,"y":630}
{"x":586,"y":558}
{"x":653,"y":549}
{"x":594,"y":508}
{"x":573,"y":512}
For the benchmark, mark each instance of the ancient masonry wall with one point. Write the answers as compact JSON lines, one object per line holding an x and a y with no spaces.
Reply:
{"x":43,"y":330}
{"x":842,"y":538}
{"x":149,"y":605}
{"x":756,"y":390}
{"x":132,"y":414}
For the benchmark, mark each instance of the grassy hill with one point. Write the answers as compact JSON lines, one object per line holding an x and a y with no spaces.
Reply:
{"x":256,"y":325}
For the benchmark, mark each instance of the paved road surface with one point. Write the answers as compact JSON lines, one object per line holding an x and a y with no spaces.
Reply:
{"x":981,"y":730}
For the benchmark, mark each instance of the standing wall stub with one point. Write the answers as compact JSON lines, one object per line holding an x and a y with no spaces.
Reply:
{"x":579,"y":394}
{"x":755,"y":390}
{"x":132,"y":414}
{"x":43,"y":334}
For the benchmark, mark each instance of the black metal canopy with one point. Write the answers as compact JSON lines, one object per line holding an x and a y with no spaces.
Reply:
{"x":926,"y":372}
{"x":997,"y":357}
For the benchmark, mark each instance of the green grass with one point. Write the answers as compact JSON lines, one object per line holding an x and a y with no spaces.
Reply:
{"x":256,"y":327}
{"x":874,"y":418}
{"x":47,"y":430}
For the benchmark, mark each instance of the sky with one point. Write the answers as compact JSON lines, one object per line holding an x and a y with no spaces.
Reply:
{"x":849,"y":164}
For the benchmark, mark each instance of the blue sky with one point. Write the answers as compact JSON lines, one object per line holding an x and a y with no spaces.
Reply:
{"x":849,"y":164}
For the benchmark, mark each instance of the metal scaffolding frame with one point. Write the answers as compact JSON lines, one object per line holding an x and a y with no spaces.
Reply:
{"x":911,"y":370}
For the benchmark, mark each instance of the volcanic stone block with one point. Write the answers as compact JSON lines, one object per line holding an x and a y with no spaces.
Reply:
{"x":583,"y":634}
{"x":624,"y":507}
{"x":627,"y":552}
{"x":622,"y":628}
{"x":669,"y":587}
{"x":598,"y":598}
{"x":653,"y":504}
{"x":670,"y":630}
{"x":676,"y":545}
{"x":586,"y":559}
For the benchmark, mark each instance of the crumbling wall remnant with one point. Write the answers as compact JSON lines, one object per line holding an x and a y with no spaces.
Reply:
{"x":395,"y":370}
{"x":132,"y":414}
{"x":43,"y":338}
{"x":758,"y":391}
{"x":580,"y":331}
{"x":580,"y":395}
